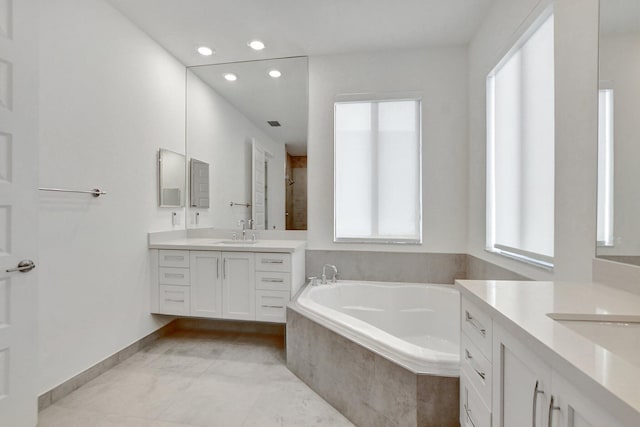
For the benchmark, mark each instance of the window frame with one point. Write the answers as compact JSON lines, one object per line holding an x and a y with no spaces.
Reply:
{"x":538,"y":260}
{"x":369,"y":98}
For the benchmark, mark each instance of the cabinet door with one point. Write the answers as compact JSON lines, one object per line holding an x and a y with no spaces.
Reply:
{"x":521,"y":385}
{"x":238,"y":286}
{"x":206,"y":283}
{"x":573,"y":409}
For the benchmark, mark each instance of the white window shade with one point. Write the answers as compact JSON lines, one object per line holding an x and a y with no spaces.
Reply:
{"x":605,"y":168}
{"x":520,"y":130}
{"x":378,"y":171}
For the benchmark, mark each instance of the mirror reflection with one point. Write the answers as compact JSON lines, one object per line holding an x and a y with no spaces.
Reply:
{"x":618,"y":227}
{"x":199,"y":184}
{"x":248,"y":122}
{"x":171,"y":168}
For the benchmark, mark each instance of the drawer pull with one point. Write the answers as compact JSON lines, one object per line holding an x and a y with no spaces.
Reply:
{"x":269,"y":280}
{"x":174,"y":257}
{"x":551,"y":409}
{"x":173,"y":300}
{"x":536,"y":392}
{"x":273,"y":306}
{"x":468,"y":412}
{"x":470,"y":319}
{"x":272,"y":261}
{"x":468,"y":356}
{"x":174,"y":275}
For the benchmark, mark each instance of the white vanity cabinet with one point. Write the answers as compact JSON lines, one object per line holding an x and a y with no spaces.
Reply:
{"x":239,"y":285}
{"x":572,"y":409}
{"x":206,"y":283}
{"x":503,"y":383}
{"x":521,"y":383}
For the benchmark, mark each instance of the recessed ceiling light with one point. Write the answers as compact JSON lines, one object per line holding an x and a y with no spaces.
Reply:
{"x":256,"y":45}
{"x":205,"y":51}
{"x":275,"y":73}
{"x":231,"y":77}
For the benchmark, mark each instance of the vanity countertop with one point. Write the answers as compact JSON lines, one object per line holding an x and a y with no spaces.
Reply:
{"x":612,"y":375}
{"x":216,"y":244}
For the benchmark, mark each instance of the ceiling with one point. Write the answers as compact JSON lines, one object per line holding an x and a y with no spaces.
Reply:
{"x":293,"y":28}
{"x":301,"y":27}
{"x":261,"y":98}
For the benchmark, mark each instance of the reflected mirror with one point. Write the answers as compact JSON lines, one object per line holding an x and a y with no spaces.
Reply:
{"x":618,"y":224}
{"x":248,"y":122}
{"x":199,"y":184}
{"x":171,"y":176}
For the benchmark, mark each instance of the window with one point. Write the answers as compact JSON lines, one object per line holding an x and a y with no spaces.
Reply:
{"x":605,"y":168}
{"x":378,"y":177}
{"x":520,"y":149}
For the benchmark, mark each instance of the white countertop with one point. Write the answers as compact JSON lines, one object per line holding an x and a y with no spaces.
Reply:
{"x":214,"y":244}
{"x":522,"y":307}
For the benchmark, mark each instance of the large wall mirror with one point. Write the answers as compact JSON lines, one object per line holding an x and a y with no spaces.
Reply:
{"x":618,"y":231}
{"x":247,"y":128}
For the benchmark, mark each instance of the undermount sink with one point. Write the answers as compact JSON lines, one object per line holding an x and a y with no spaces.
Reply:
{"x":238,"y":242}
{"x":620,"y":334}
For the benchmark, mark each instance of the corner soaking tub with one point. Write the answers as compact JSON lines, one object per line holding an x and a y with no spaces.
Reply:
{"x":416,"y":326}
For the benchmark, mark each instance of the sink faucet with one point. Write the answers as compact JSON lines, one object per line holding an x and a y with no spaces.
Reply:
{"x":250,"y":221}
{"x":244,"y":228}
{"x":324,"y":275}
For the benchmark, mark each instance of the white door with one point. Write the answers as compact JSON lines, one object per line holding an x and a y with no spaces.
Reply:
{"x":18,"y":210}
{"x":206,"y":283}
{"x":238,"y":286}
{"x":259,"y":208}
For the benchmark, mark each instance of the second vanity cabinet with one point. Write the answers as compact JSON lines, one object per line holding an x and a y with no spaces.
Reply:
{"x":237,"y":285}
{"x":504,"y":383}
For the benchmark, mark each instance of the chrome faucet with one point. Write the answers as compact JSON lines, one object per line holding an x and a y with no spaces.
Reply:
{"x":244,"y":228}
{"x":250,"y":222}
{"x":324,"y":275}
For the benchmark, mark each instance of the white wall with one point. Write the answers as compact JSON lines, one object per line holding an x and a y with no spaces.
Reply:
{"x":619,"y":70}
{"x":441,"y":76}
{"x":219,"y":134}
{"x":576,"y":66}
{"x":110,"y":97}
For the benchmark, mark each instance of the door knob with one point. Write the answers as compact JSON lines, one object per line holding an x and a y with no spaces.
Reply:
{"x":24,"y":266}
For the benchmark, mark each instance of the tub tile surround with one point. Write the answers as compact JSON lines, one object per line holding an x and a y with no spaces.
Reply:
{"x":365,"y":387}
{"x":405,"y":266}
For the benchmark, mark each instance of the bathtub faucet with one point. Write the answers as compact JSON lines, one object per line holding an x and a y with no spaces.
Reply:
{"x":324,"y":275}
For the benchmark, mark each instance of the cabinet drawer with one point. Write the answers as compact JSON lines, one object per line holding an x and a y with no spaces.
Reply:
{"x":273,"y":281}
{"x":473,"y":412}
{"x":173,"y":276}
{"x":273,"y":262}
{"x":174,"y":299}
{"x":173,"y":258}
{"x":477,"y":368}
{"x":478,"y":326}
{"x":271,"y":306}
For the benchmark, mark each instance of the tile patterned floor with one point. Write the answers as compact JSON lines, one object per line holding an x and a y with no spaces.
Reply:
{"x":197,"y":379}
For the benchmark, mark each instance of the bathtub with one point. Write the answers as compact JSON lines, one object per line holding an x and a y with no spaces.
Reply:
{"x":416,"y":326}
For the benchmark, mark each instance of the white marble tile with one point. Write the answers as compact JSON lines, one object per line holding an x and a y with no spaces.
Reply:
{"x":127,"y":392}
{"x":292,"y":404}
{"x":58,"y":416}
{"x":197,"y":378}
{"x":213,"y":401}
